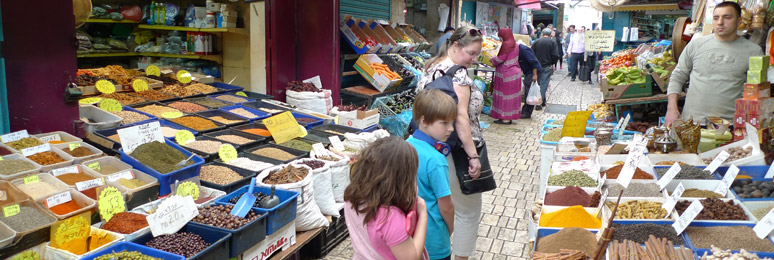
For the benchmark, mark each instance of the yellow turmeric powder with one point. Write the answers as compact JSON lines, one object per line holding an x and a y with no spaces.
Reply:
{"x":99,"y":238}
{"x":575,"y":216}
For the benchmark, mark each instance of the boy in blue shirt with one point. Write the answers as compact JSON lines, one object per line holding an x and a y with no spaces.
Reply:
{"x":434,"y":112}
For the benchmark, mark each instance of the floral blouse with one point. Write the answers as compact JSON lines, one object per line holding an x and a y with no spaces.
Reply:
{"x":463,"y":79}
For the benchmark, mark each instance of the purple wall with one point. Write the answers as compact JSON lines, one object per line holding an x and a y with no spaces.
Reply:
{"x":39,"y":52}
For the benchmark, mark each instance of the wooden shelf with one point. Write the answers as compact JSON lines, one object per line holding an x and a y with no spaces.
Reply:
{"x":191,"y":29}
{"x":109,"y":21}
{"x":215,"y":58}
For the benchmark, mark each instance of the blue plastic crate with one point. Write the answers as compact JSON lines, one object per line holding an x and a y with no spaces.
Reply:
{"x":218,"y":239}
{"x":129,"y":246}
{"x":257,"y":140}
{"x":317,"y":122}
{"x":260,"y":104}
{"x":228,"y":94}
{"x":152,"y":117}
{"x":259,"y":115}
{"x":166,"y":180}
{"x":371,"y":128}
{"x":278,"y":216}
{"x":755,"y":172}
{"x":104,"y":133}
{"x":253,"y":95}
{"x":689,"y":243}
{"x":245,"y":237}
{"x":225,"y":87}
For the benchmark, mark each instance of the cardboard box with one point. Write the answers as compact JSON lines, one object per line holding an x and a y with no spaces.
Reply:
{"x":359,"y":119}
{"x":229,"y":18}
{"x":379,"y":30}
{"x":759,"y":63}
{"x":385,"y":46}
{"x":626,"y":91}
{"x":739,"y":120}
{"x":407,"y":45}
{"x":227,"y":7}
{"x":756,"y":76}
{"x":741,"y":106}
{"x":227,"y":25}
{"x":380,"y":82}
{"x":662,"y":83}
{"x":756,"y":91}
{"x":353,"y":35}
{"x":229,"y":13}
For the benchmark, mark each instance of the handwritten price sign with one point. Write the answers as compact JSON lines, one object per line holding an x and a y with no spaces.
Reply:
{"x":132,"y":137}
{"x":173,"y":213}
{"x":690,"y":213}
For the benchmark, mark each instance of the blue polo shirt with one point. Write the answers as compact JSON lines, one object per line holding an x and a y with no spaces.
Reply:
{"x":432,"y":183}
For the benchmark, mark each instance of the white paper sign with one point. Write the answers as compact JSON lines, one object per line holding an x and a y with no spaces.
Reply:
{"x":769,"y":173}
{"x":601,"y":203}
{"x":315,"y":80}
{"x":765,"y":225}
{"x":728,"y":179}
{"x":85,"y":185}
{"x":668,"y":176}
{"x":713,"y":166}
{"x":68,"y":169}
{"x":15,"y":136}
{"x":49,"y":138}
{"x":336,"y":143}
{"x":601,"y":182}
{"x":125,"y":174}
{"x":318,"y":148}
{"x":690,"y":213}
{"x":36,"y":149}
{"x":58,"y":199}
{"x":623,"y":126}
{"x":671,"y":201}
{"x":173,"y":213}
{"x":617,"y":126}
{"x":632,"y":160}
{"x":132,"y":137}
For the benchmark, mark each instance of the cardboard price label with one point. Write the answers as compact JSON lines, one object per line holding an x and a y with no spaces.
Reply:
{"x":690,"y":213}
{"x":283,"y":127}
{"x":152,"y":70}
{"x":36,"y":149}
{"x":765,"y":225}
{"x":183,"y":76}
{"x":336,"y":143}
{"x":89,"y":101}
{"x":728,"y":179}
{"x":668,"y":176}
{"x":132,"y":137}
{"x":183,"y":137}
{"x":106,"y":87}
{"x":49,"y":138}
{"x":226,"y":152}
{"x":241,"y":94}
{"x":9,"y":211}
{"x":95,"y":166}
{"x":125,"y":174}
{"x":72,"y":146}
{"x":713,"y":166}
{"x":188,"y":188}
{"x":110,"y":202}
{"x":575,"y":124}
{"x":139,"y":85}
{"x":31,"y":179}
{"x":85,"y":185}
{"x":58,"y":199}
{"x":75,"y":227}
{"x":15,"y":136}
{"x":110,"y":105}
{"x":671,"y":201}
{"x":173,"y":213}
{"x":69,"y":169}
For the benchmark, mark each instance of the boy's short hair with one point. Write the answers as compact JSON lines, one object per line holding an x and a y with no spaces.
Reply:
{"x":434,"y":105}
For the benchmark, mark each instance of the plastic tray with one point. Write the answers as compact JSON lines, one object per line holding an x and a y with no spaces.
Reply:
{"x":19,"y":174}
{"x":68,"y":161}
{"x":257,"y":124}
{"x":754,"y":205}
{"x":731,"y":190}
{"x":31,"y":237}
{"x":168,"y":179}
{"x":141,"y":105}
{"x":225,"y":87}
{"x":589,"y":190}
{"x":47,"y":178}
{"x":259,"y":115}
{"x":198,"y":99}
{"x":64,"y":136}
{"x":128,"y":246}
{"x":151,"y":119}
{"x":102,"y":138}
{"x":176,"y":126}
{"x":84,"y":202}
{"x":277,"y":216}
{"x":755,"y":172}
{"x":317,"y":122}
{"x":257,"y":139}
{"x":229,"y":94}
{"x":13,"y":194}
{"x":219,"y":241}
{"x":140,"y":195}
{"x":338,"y":128}
{"x":245,"y":237}
{"x":254,"y":158}
{"x":689,"y":243}
{"x":228,"y":188}
{"x":750,"y":217}
{"x":254,"y":95}
{"x":13,"y":151}
{"x":77,"y":160}
{"x":320,"y":137}
{"x":218,"y":125}
{"x":692,"y":159}
{"x":260,"y":104}
{"x":6,"y":235}
{"x":56,"y":253}
{"x":101,"y":119}
{"x":310,"y":142}
{"x":108,"y":165}
{"x":297,"y":153}
{"x":212,"y":113}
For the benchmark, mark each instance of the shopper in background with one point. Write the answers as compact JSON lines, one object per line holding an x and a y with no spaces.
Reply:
{"x":558,"y":37}
{"x":547,"y":53}
{"x":570,"y":33}
{"x":577,"y":49}
{"x":434,"y":112}
{"x":591,"y":59}
{"x":446,"y":34}
{"x":716,"y":65}
{"x":382,"y":192}
{"x":462,"y":48}
{"x":506,"y":94}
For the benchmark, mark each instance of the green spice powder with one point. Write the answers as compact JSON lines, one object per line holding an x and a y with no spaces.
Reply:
{"x":159,"y":156}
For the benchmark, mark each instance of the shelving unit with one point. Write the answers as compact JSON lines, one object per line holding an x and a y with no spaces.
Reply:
{"x":215,"y":58}
{"x":109,"y":21}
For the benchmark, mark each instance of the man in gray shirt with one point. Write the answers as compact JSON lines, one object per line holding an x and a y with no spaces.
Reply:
{"x":717,"y":67}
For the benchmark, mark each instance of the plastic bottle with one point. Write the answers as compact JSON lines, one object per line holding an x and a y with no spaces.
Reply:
{"x":152,"y":9}
{"x":210,"y":20}
{"x":199,"y":44}
{"x":163,"y":16}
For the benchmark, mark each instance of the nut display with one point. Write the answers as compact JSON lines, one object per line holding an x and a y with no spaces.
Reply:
{"x":715,"y":209}
{"x":746,"y":188}
{"x":128,"y":117}
{"x":289,"y":174}
{"x":735,"y":153}
{"x":152,"y":95}
{"x":220,"y":216}
{"x":183,"y":243}
{"x":219,"y":174}
{"x":187,"y":107}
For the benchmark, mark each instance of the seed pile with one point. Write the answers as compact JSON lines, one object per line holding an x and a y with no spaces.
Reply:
{"x":24,"y":143}
{"x":195,"y":123}
{"x":210,"y":102}
{"x":46,"y":158}
{"x":124,"y":99}
{"x":232,"y":99}
{"x":274,"y":153}
{"x":168,"y":131}
{"x":27,"y":219}
{"x":157,"y":110}
{"x":635,"y":190}
{"x":715,"y":209}
{"x":636,"y":209}
{"x":289,"y":174}
{"x":234,"y":139}
{"x":219,"y":175}
{"x":248,"y":164}
{"x":202,"y":88}
{"x":572,"y":178}
{"x":220,"y":216}
{"x":761,"y":212}
{"x":187,"y":107}
{"x":183,"y":243}
{"x":224,"y":120}
{"x":133,"y":255}
{"x":613,"y":172}
{"x":8,"y":167}
{"x":128,"y":117}
{"x":639,"y":232}
{"x":297,"y":144}
{"x":152,"y":95}
{"x":243,"y":112}
{"x":688,"y":172}
{"x":206,"y":146}
{"x":728,"y":237}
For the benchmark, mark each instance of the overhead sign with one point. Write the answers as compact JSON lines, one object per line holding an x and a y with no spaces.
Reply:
{"x":600,"y":40}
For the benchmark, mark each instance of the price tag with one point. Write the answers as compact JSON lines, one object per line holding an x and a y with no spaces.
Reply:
{"x":623,"y":126}
{"x":241,"y":94}
{"x":31,"y":179}
{"x":617,"y":126}
{"x":132,"y":137}
{"x":336,"y":143}
{"x":10,"y":211}
{"x":70,"y":169}
{"x":95,"y":166}
{"x":139,"y":85}
{"x":1,"y":158}
{"x":188,"y":188}
{"x":125,"y":174}
{"x":668,"y":176}
{"x":173,"y":213}
{"x":36,"y":149}
{"x":713,"y":166}
{"x":318,"y":148}
{"x":728,"y":179}
{"x":106,"y":87}
{"x":671,"y":201}
{"x":632,"y":160}
{"x":89,"y":101}
{"x":110,"y":105}
{"x":765,"y":225}
{"x":690,"y":213}
{"x":171,"y":114}
{"x":74,"y":145}
{"x":85,"y":185}
{"x":184,"y":76}
{"x":283,"y":127}
{"x":183,"y":137}
{"x":601,"y":182}
{"x":152,"y":70}
{"x":601,"y":204}
{"x":49,"y":138}
{"x":575,"y":124}
{"x":226,"y":152}
{"x":75,"y":227}
{"x":15,"y":136}
{"x":110,"y":202}
{"x":58,"y":199}
{"x":769,"y":173}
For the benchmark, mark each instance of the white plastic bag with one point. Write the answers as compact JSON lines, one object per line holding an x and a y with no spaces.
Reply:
{"x":534,"y":98}
{"x":339,"y":174}
{"x":323,"y":189}
{"x":319,"y":102}
{"x":308,"y":215}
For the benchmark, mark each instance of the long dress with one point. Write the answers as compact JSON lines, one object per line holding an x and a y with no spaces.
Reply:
{"x":506,"y":100}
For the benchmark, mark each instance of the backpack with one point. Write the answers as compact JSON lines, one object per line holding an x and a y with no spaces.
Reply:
{"x":444,"y":83}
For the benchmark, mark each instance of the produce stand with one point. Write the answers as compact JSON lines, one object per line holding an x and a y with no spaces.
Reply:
{"x":370,"y":94}
{"x":618,"y":103}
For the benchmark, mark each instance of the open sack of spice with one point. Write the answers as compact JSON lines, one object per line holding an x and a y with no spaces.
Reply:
{"x":298,"y":178}
{"x":309,"y":95}
{"x":323,"y":189}
{"x":340,"y":166}
{"x":354,"y":143}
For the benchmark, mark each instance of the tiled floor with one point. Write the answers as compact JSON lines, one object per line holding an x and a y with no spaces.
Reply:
{"x":514,"y":152}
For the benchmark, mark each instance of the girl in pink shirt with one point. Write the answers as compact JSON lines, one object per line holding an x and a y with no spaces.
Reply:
{"x":382,"y":205}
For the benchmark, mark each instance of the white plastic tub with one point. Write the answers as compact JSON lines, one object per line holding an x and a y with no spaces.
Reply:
{"x":750,"y":217}
{"x":84,"y":202}
{"x":77,"y":160}
{"x":546,"y":157}
{"x":47,"y":178}
{"x":755,"y":158}
{"x":68,"y":160}
{"x":754,"y":205}
{"x":692,"y":159}
{"x":62,"y":136}
{"x":709,"y":185}
{"x":607,"y":212}
{"x":6,"y":235}
{"x":23,"y":173}
{"x":96,"y":119}
{"x":108,"y":165}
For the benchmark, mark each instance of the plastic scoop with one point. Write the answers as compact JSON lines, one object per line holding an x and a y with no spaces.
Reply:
{"x":270,"y":201}
{"x":183,"y":162}
{"x":245,"y":202}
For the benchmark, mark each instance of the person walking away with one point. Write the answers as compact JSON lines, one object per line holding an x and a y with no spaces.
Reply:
{"x":434,"y":112}
{"x":590,"y":59}
{"x":570,"y":32}
{"x":716,"y":65}
{"x":377,"y":224}
{"x":531,"y":67}
{"x":561,"y":50}
{"x":547,"y":53}
{"x":446,"y":34}
{"x":462,"y":48}
{"x":506,"y":94}
{"x":577,"y":49}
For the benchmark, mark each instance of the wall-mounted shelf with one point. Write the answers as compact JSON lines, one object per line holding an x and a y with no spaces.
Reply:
{"x":109,"y":21}
{"x":215,"y":58}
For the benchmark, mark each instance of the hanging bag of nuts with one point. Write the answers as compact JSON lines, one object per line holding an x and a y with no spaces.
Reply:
{"x":299,"y":179}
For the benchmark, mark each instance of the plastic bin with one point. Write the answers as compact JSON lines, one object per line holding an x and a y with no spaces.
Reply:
{"x":68,"y":160}
{"x":266,"y":107}
{"x":56,"y":253}
{"x":165,"y":123}
{"x":108,"y":165}
{"x":755,"y":172}
{"x":23,"y":173}
{"x":77,"y":160}
{"x":297,"y":153}
{"x":168,"y":179}
{"x":245,"y":237}
{"x":259,"y":115}
{"x":321,"y":137}
{"x":128,"y":246}
{"x":219,"y":241}
{"x":257,"y":139}
{"x":256,"y":125}
{"x":277,"y":216}
{"x":208,"y":157}
{"x":140,"y":195}
{"x":63,"y":136}
{"x":84,"y":202}
{"x":310,"y":125}
{"x":213,"y":113}
{"x":322,"y":244}
{"x":224,"y":87}
{"x":254,"y":158}
{"x":151,"y":119}
{"x":218,"y":125}
{"x":13,"y":151}
{"x":228,"y":94}
{"x":253,"y":95}
{"x":97,"y":119}
{"x":689,"y":243}
{"x":371,"y":128}
{"x":750,"y":217}
{"x":59,"y":186}
{"x":216,"y":103}
{"x":337,"y":128}
{"x":32,"y":237}
{"x":228,"y":188}
{"x":13,"y":194}
{"x":731,"y":190}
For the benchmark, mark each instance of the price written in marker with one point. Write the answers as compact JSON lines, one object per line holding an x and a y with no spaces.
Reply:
{"x":105,"y":87}
{"x":183,"y":137}
{"x":601,"y":203}
{"x":690,"y":213}
{"x":152,"y":70}
{"x":668,"y":176}
{"x":769,"y":173}
{"x":184,"y":76}
{"x":89,"y":101}
{"x":632,"y":160}
{"x":12,"y":210}
{"x":139,"y":85}
{"x":15,"y":136}
{"x":188,"y":188}
{"x":110,"y":105}
{"x":72,"y":146}
{"x":31,"y":179}
{"x":671,"y":201}
{"x":85,"y":185}
{"x":49,"y":138}
{"x":318,"y":148}
{"x":173,"y":213}
{"x":125,"y":174}
{"x":36,"y":149}
{"x":171,"y":114}
{"x":575,"y":124}
{"x":58,"y":199}
{"x":728,"y":179}
{"x":765,"y":225}
{"x":132,"y":137}
{"x":75,"y":227}
{"x":601,"y":182}
{"x":336,"y":143}
{"x":110,"y":202}
{"x":713,"y":166}
{"x":283,"y":127}
{"x":226,"y":152}
{"x":69,"y":169}
{"x":617,"y":126}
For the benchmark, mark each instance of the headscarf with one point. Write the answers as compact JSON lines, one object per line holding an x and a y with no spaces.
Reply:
{"x":509,"y":43}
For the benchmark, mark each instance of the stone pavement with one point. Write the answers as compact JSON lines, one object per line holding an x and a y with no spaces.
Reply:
{"x":514,"y":152}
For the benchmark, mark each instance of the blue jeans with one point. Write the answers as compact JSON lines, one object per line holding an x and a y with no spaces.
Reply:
{"x":543,"y":80}
{"x":576,"y":60}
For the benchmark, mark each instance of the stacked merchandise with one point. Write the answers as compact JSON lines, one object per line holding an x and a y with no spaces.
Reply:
{"x":756,"y":105}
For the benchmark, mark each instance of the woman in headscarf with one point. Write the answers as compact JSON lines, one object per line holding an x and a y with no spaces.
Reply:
{"x":506,"y":101}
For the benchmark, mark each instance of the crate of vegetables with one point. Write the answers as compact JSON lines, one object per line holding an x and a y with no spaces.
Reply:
{"x":373,"y":69}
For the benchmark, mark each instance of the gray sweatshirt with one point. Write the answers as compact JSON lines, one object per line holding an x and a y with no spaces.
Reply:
{"x":717,"y":73}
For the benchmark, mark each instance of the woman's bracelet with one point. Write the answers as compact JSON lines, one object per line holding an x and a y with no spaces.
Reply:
{"x":474,"y":157}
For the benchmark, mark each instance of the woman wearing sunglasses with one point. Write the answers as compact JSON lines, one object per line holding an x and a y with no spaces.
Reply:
{"x":462,"y":48}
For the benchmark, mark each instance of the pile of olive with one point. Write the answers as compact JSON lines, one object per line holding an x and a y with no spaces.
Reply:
{"x":746,"y":188}
{"x":220,"y":216}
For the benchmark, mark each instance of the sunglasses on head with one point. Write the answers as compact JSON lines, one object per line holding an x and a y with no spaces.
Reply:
{"x":474,"y":32}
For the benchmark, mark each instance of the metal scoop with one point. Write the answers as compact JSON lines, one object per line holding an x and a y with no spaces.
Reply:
{"x":270,"y":201}
{"x":183,"y":162}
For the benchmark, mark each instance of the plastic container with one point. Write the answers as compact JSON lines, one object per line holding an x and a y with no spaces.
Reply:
{"x":543,"y":232}
{"x":228,"y":94}
{"x":310,"y":125}
{"x":108,"y":165}
{"x":750,"y":217}
{"x":755,"y":172}
{"x":689,"y":243}
{"x":165,"y":123}
{"x":589,"y":190}
{"x":102,"y":138}
{"x":84,"y":202}
{"x":140,"y":195}
{"x":13,"y":194}
{"x":59,"y":186}
{"x":298,"y":154}
{"x":32,"y":237}
{"x":97,"y":119}
{"x":218,"y":125}
{"x":13,"y":151}
{"x":708,"y":185}
{"x":259,"y":115}
{"x":246,"y":236}
{"x":310,"y":142}
{"x":68,"y":160}
{"x":152,"y":117}
{"x":17,"y":251}
{"x":224,"y":87}
{"x":6,"y":235}
{"x":219,"y":241}
{"x":320,"y":137}
{"x":607,"y":212}
{"x":337,"y":128}
{"x":254,"y":158}
{"x":213,"y":113}
{"x":253,"y":95}
{"x":228,"y":188}
{"x":277,"y":216}
{"x":208,"y":157}
{"x":77,"y":160}
{"x":732,"y":191}
{"x":23,"y":173}
{"x":692,"y":159}
{"x":608,"y":183}
{"x":756,"y":156}
{"x":128,"y":246}
{"x":255,"y":125}
{"x":56,"y":253}
{"x":648,"y":170}
{"x":549,"y":209}
{"x":63,"y":136}
{"x":212,"y":106}
{"x":266,"y":107}
{"x":752,"y":206}
{"x":257,"y":139}
{"x":168,"y":179}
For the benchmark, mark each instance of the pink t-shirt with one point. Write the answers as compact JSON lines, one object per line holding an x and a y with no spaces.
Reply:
{"x":373,"y":240}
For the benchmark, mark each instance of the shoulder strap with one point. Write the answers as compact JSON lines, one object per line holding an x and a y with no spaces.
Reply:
{"x":453,"y":70}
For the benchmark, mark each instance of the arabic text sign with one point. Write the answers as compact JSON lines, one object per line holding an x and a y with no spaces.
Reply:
{"x":600,"y":40}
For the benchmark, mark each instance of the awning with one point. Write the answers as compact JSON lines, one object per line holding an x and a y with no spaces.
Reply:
{"x":640,"y":5}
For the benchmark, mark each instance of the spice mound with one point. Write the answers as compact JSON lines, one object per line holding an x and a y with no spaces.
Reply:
{"x":258,"y":131}
{"x":297,"y":144}
{"x":128,"y":117}
{"x":65,"y":208}
{"x":220,"y":216}
{"x":639,"y":233}
{"x":159,"y":156}
{"x":72,"y":178}
{"x":636,"y":209}
{"x":568,"y":238}
{"x":38,"y":189}
{"x":697,"y":193}
{"x":46,"y":158}
{"x":187,"y":107}
{"x":232,"y":99}
{"x":575,"y":216}
{"x":195,"y":123}
{"x":289,"y":174}
{"x":715,"y":209}
{"x":78,"y":152}
{"x":126,"y":223}
{"x":183,"y":243}
{"x":572,"y":178}
{"x":688,"y":172}
{"x":234,"y":139}
{"x":156,"y":110}
{"x":569,"y":196}
{"x":613,"y":172}
{"x":219,"y":175}
{"x":24,"y":143}
{"x":248,"y":164}
{"x":635,"y":190}
{"x":27,"y":219}
{"x":205,"y":146}
{"x":126,"y":255}
{"x":8,"y":167}
{"x":274,"y":153}
{"x":728,"y":238}
{"x":131,"y":184}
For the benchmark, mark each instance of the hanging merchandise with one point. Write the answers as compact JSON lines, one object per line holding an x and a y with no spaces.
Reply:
{"x":625,"y":34}
{"x":443,"y":16}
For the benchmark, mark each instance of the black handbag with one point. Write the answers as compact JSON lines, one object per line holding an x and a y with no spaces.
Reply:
{"x":585,"y":73}
{"x":468,"y":185}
